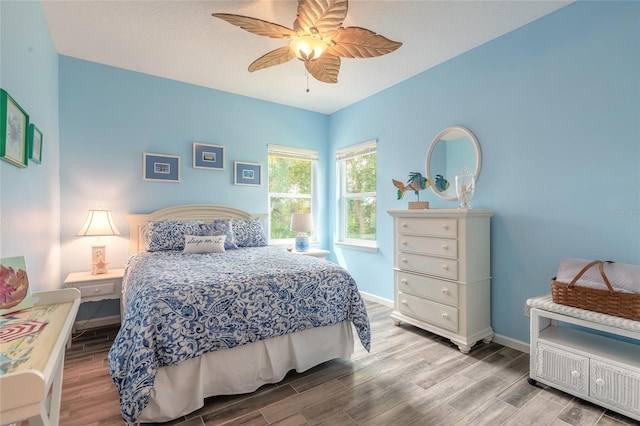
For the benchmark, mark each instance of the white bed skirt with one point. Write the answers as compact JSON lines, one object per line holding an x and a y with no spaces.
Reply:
{"x":181,"y":389}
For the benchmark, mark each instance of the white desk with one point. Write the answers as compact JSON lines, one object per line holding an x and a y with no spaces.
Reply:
{"x":37,"y":370}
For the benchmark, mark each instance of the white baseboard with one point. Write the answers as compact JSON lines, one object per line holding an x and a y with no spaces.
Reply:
{"x":96,"y":322}
{"x":511,"y":343}
{"x":498,"y":338}
{"x":384,"y":302}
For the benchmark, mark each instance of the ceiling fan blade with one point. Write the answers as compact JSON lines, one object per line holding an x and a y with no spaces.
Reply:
{"x":275,"y":57}
{"x":356,"y":42}
{"x":325,"y":68}
{"x":257,"y":26}
{"x":324,"y":15}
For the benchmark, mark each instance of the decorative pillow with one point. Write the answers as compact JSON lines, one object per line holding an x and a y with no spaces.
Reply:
{"x":204,"y":244}
{"x":249,"y":233}
{"x":169,"y":234}
{"x":221,"y":227}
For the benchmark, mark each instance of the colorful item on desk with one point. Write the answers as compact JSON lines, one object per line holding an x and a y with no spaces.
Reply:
{"x":15,"y":330}
{"x":15,"y":294}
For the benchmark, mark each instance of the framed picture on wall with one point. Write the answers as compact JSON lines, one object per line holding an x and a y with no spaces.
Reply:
{"x":35,"y":144}
{"x":208,"y":156}
{"x":14,"y":128}
{"x":160,"y":167}
{"x":247,"y":173}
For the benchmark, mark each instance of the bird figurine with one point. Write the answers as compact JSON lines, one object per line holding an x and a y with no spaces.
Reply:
{"x":416,"y":183}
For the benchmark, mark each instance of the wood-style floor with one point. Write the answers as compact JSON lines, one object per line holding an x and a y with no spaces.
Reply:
{"x":411,"y":377}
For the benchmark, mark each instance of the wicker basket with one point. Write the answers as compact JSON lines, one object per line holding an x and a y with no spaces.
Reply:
{"x":626,"y":305}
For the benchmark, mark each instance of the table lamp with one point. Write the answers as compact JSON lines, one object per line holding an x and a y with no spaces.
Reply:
{"x":302,"y":223}
{"x":99,"y":223}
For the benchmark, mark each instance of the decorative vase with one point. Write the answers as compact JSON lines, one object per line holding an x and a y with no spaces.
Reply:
{"x":465,"y":186}
{"x":418,"y":205}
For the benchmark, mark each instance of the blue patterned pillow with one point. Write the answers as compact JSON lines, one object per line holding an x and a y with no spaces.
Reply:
{"x":169,"y":234}
{"x":249,"y":233}
{"x":221,"y":227}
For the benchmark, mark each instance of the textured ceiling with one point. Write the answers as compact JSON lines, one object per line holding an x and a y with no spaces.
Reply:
{"x":180,"y":40}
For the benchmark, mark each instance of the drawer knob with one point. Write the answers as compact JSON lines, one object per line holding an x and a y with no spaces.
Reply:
{"x":97,"y":290}
{"x":445,"y":247}
{"x":404,"y":243}
{"x":404,"y":303}
{"x":445,"y":316}
{"x":445,"y":268}
{"x":404,"y":260}
{"x":445,"y":227}
{"x":575,"y":374}
{"x":599,"y":382}
{"x":403,"y":224}
{"x":445,"y":291}
{"x":404,"y":281}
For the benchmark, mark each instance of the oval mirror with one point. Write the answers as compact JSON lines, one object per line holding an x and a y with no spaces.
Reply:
{"x":451,"y":152}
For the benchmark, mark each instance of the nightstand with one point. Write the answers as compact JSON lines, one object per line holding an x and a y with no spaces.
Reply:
{"x":97,"y":287}
{"x":319,"y":253}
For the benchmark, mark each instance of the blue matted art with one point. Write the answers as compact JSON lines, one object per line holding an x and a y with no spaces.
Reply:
{"x":247,"y":173}
{"x":161,"y":167}
{"x":208,"y":156}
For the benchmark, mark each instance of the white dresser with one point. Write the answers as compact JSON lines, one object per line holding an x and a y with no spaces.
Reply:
{"x":442,"y":278}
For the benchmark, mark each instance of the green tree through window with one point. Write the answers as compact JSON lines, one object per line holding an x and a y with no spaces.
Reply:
{"x":291,"y":188}
{"x":358,"y":168}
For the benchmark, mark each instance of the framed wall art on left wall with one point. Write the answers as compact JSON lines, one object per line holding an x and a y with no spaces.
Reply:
{"x":35,"y":144}
{"x":14,"y":131}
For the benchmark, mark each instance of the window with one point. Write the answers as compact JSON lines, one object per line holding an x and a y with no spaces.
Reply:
{"x":357,"y":176}
{"x":291,"y":189}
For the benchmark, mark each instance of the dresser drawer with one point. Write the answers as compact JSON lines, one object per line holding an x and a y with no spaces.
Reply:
{"x":431,"y":312}
{"x":430,"y":288}
{"x":614,"y":385}
{"x":428,"y":227}
{"x":564,"y":368}
{"x":101,"y":290}
{"x":445,"y":268}
{"x":430,"y":246}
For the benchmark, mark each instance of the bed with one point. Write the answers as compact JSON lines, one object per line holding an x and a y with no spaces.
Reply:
{"x":203,"y":318}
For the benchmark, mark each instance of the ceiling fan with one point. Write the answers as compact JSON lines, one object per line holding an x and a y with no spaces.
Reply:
{"x":317,"y":38}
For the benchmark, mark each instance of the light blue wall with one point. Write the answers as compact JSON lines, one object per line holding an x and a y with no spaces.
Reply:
{"x":110,"y":116}
{"x":30,"y":197}
{"x":555,"y":106}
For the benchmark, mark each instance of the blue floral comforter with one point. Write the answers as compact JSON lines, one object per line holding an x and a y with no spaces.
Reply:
{"x":179,"y":306}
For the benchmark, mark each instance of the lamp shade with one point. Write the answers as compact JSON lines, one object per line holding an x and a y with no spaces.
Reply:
{"x":99,"y":223}
{"x":301,"y":222}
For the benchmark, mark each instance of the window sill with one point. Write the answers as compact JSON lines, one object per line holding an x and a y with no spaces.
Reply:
{"x":373,"y":248}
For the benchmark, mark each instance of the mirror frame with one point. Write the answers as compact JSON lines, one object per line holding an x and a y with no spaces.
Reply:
{"x":438,"y":138}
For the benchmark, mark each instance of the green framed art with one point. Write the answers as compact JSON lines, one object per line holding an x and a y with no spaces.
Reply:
{"x":35,"y":144}
{"x":14,"y":129}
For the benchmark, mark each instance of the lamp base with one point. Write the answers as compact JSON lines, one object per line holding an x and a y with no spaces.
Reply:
{"x":302,"y":242}
{"x":98,"y":262}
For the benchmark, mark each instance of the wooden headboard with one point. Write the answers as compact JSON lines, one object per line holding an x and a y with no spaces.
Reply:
{"x":205,"y":212}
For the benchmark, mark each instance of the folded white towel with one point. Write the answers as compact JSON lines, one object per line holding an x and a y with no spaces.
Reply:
{"x":622,"y":276}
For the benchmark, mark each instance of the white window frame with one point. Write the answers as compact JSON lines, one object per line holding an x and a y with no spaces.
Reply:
{"x":343,"y":154}
{"x":296,"y":154}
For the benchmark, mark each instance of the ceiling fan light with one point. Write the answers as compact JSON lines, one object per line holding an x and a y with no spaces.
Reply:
{"x":308,"y":48}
